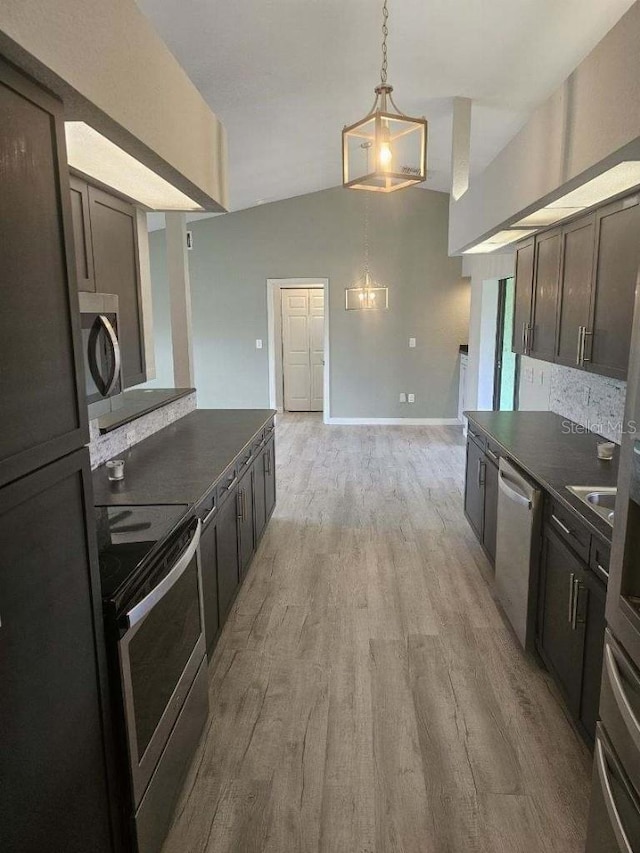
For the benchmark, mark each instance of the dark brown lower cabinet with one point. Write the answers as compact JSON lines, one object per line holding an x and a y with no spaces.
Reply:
{"x":593,"y":653}
{"x":562,"y":627}
{"x":571,"y":626}
{"x":227,"y":555}
{"x":490,"y":508}
{"x":209,"y":565}
{"x":259,"y":495}
{"x":270,"y":476}
{"x":474,"y":487}
{"x":246,"y":542}
{"x":54,"y":792}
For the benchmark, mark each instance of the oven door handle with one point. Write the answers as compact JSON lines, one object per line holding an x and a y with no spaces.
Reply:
{"x":115,"y":346}
{"x":137,"y":613}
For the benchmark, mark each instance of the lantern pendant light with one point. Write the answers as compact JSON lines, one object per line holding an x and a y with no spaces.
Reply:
{"x":386,"y":150}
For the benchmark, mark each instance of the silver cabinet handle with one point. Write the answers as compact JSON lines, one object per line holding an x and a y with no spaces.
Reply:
{"x":491,"y":455}
{"x":612,"y":811}
{"x":561,"y":525}
{"x":602,"y":571}
{"x":586,"y":333}
{"x":579,"y":352}
{"x":267,"y":462}
{"x":240,"y":500}
{"x":524,"y":338}
{"x":572,"y":591}
{"x":530,"y":337}
{"x":617,"y":688}
{"x":137,"y":613}
{"x":231,"y":484}
{"x":480,"y":470}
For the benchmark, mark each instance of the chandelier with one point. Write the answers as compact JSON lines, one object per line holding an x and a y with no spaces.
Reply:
{"x":386,"y":150}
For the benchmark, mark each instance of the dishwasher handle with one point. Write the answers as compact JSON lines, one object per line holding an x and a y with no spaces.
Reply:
{"x":511,"y":493}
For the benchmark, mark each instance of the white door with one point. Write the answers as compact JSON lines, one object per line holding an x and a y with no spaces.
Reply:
{"x":303,"y":349}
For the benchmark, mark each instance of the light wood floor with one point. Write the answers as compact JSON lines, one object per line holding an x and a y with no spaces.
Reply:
{"x":366,"y":694}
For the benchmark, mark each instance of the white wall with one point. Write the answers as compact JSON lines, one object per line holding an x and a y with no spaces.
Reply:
{"x":587,"y":125}
{"x":484,"y":271}
{"x":112,"y":70}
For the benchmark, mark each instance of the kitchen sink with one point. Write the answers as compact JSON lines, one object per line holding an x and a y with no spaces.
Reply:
{"x":601,"y":499}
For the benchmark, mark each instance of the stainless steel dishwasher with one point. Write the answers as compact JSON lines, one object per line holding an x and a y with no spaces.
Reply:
{"x":519,"y":505}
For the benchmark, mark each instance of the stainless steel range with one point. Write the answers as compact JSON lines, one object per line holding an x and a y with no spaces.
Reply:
{"x":152,"y":595}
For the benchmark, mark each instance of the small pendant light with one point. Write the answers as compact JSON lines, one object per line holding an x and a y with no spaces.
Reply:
{"x":386,"y":150}
{"x":367,"y":295}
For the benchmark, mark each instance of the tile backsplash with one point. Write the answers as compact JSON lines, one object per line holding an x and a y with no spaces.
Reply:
{"x":103,"y":447}
{"x":595,"y":402}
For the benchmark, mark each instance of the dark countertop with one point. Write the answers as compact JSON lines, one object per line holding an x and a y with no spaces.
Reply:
{"x":556,"y":453}
{"x":138,"y":402}
{"x":180,"y":463}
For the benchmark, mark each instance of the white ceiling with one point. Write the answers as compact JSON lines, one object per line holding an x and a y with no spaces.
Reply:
{"x":284,"y":76}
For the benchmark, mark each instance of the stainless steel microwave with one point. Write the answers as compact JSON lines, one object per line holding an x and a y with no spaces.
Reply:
{"x":99,"y":320}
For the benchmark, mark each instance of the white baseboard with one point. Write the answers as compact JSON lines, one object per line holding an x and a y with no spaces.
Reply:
{"x":394,"y":421}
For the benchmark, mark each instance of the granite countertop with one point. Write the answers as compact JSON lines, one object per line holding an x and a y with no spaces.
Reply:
{"x":138,"y":402}
{"x":556,"y":453}
{"x":180,"y":463}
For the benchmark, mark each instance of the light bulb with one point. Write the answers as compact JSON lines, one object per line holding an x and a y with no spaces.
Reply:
{"x":372,"y":296}
{"x":361,"y":296}
{"x":385,"y":153}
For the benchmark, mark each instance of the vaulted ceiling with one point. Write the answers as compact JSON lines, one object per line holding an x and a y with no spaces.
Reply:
{"x":284,"y":76}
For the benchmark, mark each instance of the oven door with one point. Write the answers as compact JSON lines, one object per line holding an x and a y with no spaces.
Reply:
{"x":160,"y":653}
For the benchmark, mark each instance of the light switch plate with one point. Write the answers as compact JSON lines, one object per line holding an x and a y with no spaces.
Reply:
{"x":403,"y":397}
{"x":412,"y":342}
{"x":258,"y":343}
{"x":411,"y":398}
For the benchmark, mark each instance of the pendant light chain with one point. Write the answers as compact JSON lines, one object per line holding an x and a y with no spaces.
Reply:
{"x":366,"y":237}
{"x":385,"y":33}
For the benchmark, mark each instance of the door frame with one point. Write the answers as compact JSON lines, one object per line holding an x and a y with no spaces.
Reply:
{"x":275,"y":286}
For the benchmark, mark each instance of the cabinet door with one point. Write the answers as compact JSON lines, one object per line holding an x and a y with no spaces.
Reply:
{"x":474,"y":487}
{"x":227,"y":553}
{"x":561,"y":627}
{"x":575,"y":288}
{"x":542,"y":336}
{"x":52,"y":761}
{"x":209,"y":561}
{"x":259,"y":495}
{"x":115,"y":256}
{"x":592,"y":611}
{"x":270,"y":476}
{"x":245,"y":521}
{"x":523,"y":295}
{"x":490,"y":509}
{"x":44,"y":414}
{"x":615,"y":277}
{"x":82,"y":234}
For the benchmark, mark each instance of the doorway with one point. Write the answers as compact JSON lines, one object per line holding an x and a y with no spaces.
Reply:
{"x":505,"y":380}
{"x":298,"y":326}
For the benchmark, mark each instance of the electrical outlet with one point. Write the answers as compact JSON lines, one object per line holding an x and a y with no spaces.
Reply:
{"x":412,"y":342}
{"x":130,"y":437}
{"x":403,"y":397}
{"x":411,"y":398}
{"x":528,"y":374}
{"x":258,"y":343}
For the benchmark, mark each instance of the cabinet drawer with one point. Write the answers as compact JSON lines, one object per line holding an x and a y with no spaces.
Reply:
{"x":478,"y":437}
{"x":599,"y":559}
{"x":227,"y":484}
{"x":569,"y":528}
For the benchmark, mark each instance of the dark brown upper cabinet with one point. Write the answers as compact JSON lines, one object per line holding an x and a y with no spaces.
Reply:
{"x":106,"y":250}
{"x":617,"y":257}
{"x":581,"y":279}
{"x":575,"y":289}
{"x":82,"y":234}
{"x":525,"y":260}
{"x":541,"y":341}
{"x":41,"y":378}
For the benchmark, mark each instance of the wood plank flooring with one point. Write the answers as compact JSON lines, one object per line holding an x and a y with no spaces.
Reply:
{"x":367,"y":695}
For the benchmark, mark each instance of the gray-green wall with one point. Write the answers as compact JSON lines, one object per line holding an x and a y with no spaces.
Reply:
{"x":321,"y":235}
